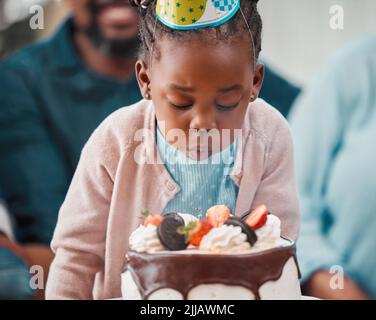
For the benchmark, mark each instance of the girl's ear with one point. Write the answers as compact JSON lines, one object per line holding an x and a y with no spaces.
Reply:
{"x":143,"y":79}
{"x":258,"y":79}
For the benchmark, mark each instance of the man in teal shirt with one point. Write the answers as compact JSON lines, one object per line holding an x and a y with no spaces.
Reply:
{"x":50,"y":103}
{"x":52,"y":96}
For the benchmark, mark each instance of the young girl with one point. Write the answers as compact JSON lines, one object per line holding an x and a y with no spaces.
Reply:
{"x":195,"y":81}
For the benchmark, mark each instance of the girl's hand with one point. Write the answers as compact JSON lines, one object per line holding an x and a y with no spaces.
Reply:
{"x":319,"y":286}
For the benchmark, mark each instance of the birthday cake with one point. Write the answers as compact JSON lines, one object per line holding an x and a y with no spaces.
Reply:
{"x":220,"y":257}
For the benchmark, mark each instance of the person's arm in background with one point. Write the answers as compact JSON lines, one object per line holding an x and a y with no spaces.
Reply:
{"x":19,"y":271}
{"x":33,"y":176}
{"x":318,"y":122}
{"x":7,"y":238}
{"x":6,"y":234}
{"x":14,"y":263}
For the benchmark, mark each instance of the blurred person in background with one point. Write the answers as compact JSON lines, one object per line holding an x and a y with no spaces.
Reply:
{"x":278,"y":92}
{"x":14,"y":271}
{"x":334,"y":129}
{"x":53,"y":95}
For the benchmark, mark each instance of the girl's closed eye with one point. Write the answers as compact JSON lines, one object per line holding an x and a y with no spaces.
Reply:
{"x":181,"y":106}
{"x":228,"y":102}
{"x":227,"y":108}
{"x":225,"y":104}
{"x":179,"y":102}
{"x":220,"y":107}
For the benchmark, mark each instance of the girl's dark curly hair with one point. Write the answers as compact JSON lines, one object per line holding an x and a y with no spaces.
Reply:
{"x":234,"y":29}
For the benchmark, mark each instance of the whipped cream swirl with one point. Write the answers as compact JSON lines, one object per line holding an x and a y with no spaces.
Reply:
{"x":269,"y":235}
{"x":225,"y":239}
{"x":230,"y":239}
{"x":145,"y":239}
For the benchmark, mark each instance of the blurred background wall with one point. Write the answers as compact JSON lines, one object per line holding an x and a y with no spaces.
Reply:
{"x":15,"y":31}
{"x":297,"y":37}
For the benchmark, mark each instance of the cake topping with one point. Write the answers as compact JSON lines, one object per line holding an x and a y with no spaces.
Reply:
{"x":176,"y":216}
{"x":145,"y":239}
{"x":218,"y":215}
{"x":247,"y":230}
{"x":225,"y":239}
{"x":168,"y":233}
{"x":256,"y":218}
{"x":269,"y":235}
{"x":254,"y":231}
{"x":149,"y":218}
{"x":187,"y":218}
{"x":195,"y":231}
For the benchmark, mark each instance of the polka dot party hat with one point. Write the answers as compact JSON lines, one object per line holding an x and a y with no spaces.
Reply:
{"x":195,"y":14}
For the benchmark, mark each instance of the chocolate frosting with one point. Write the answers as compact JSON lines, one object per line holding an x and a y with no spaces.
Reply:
{"x":184,"y":271}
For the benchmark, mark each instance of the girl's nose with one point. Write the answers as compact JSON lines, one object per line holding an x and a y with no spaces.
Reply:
{"x":203,"y":120}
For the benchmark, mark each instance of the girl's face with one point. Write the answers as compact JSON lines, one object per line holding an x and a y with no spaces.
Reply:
{"x":200,"y":88}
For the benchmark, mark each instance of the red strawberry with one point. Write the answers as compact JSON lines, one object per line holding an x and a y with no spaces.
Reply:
{"x":150,"y":218}
{"x":195,"y":231}
{"x":218,"y":215}
{"x":257,"y":217}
